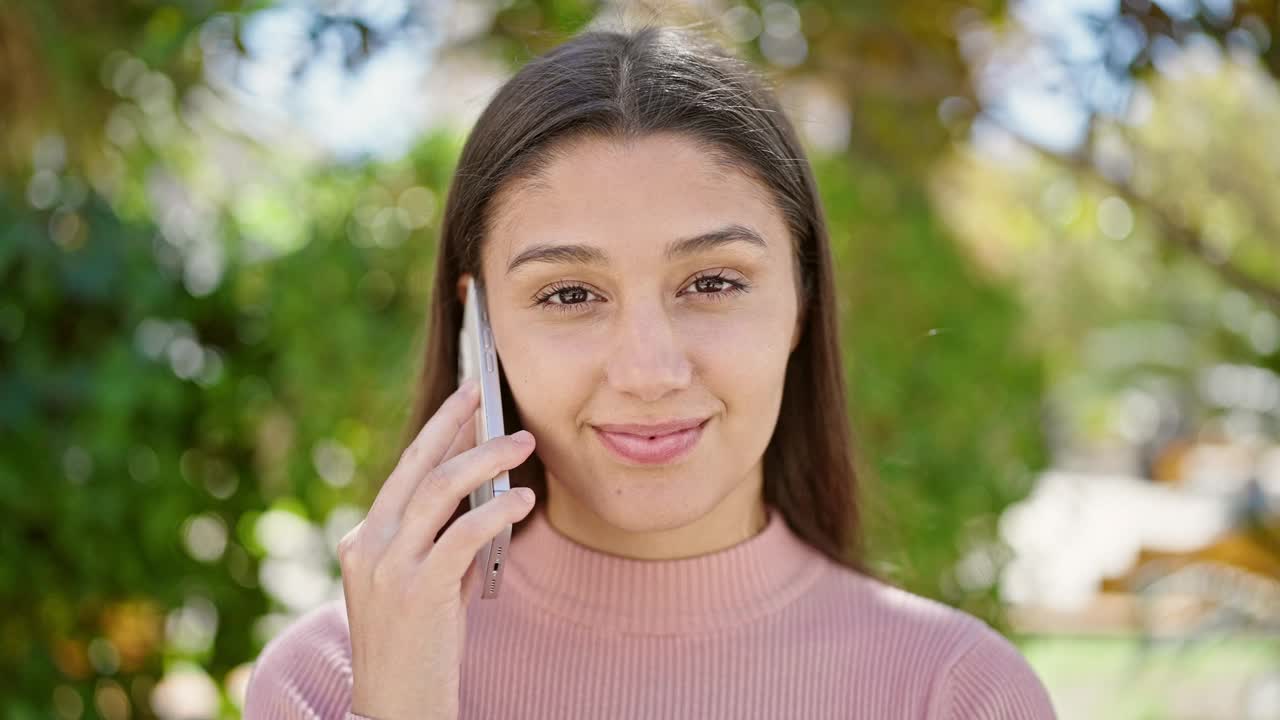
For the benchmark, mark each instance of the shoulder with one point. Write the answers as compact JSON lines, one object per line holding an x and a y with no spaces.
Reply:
{"x":991,"y":680}
{"x":892,"y":618}
{"x":975,"y":672}
{"x":304,"y":672}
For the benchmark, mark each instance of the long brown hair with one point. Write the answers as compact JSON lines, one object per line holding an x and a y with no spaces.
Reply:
{"x":620,"y":85}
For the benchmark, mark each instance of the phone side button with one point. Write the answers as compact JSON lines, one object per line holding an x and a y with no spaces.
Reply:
{"x":488,"y":361}
{"x":487,"y":336}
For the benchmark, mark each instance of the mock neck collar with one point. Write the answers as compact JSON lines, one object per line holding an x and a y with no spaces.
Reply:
{"x":661,"y":597}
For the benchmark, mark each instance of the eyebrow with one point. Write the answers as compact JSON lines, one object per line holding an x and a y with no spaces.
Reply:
{"x":733,"y":233}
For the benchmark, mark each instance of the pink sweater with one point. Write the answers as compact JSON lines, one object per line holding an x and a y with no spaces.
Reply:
{"x":768,"y":628}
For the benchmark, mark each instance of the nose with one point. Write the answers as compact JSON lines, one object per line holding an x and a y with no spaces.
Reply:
{"x":648,"y":359}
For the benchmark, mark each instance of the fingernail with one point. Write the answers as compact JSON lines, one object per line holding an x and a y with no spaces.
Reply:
{"x":524,"y":437}
{"x":524,"y":493}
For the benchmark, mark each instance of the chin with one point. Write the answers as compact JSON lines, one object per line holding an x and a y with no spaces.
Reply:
{"x":649,"y":507}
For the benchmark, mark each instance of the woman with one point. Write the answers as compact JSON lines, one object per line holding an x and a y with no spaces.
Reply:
{"x":660,"y":289}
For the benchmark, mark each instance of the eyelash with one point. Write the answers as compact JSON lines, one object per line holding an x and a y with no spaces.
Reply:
{"x":735,"y":287}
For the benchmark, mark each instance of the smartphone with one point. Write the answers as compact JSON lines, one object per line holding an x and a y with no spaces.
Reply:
{"x":478,"y":358}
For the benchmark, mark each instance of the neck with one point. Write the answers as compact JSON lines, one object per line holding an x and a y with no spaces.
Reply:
{"x":713,"y":591}
{"x":739,"y":516}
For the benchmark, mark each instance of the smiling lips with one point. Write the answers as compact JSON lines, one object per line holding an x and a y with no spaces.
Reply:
{"x":652,"y":444}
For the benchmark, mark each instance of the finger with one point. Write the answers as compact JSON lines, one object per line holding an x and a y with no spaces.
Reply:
{"x":470,"y":579}
{"x":465,"y":439}
{"x":457,"y":547}
{"x":422,"y":454}
{"x":438,"y":495}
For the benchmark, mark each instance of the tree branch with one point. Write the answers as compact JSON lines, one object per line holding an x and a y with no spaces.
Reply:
{"x":1171,"y":229}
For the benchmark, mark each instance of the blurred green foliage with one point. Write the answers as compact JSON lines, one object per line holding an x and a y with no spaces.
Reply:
{"x":185,"y":351}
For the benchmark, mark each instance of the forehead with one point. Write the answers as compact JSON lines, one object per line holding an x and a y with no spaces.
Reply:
{"x":630,"y":199}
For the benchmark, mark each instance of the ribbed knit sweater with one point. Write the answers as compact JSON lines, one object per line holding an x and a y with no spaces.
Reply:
{"x":768,"y":628}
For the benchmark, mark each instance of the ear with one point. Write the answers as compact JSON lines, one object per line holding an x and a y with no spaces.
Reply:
{"x":462,"y":288}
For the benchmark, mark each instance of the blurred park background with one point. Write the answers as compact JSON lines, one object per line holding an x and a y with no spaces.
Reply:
{"x":1057,"y":229}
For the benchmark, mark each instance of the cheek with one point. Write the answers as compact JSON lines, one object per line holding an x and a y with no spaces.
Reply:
{"x":744,"y":344}
{"x":744,"y":363}
{"x":549,"y":378}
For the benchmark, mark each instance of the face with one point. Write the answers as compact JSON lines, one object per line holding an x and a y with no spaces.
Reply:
{"x":638,"y":285}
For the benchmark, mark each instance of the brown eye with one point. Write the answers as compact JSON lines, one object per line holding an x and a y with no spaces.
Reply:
{"x":571,"y":296}
{"x":715,"y":286}
{"x":565,"y":297}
